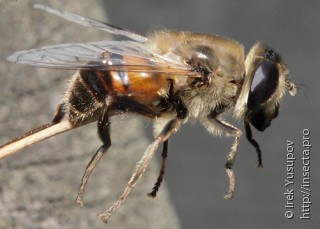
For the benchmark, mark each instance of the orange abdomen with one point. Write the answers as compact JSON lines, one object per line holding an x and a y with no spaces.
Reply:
{"x":138,"y":81}
{"x":142,"y":87}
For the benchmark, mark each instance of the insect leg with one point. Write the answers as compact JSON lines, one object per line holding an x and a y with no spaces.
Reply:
{"x":60,"y":113}
{"x":236,"y":133}
{"x":253,"y":142}
{"x":166,"y":132}
{"x":104,"y":134}
{"x":157,"y":185}
{"x":181,"y":112}
{"x":125,"y":104}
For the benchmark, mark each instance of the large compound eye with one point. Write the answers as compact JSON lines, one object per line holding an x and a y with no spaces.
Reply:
{"x":263,"y":85}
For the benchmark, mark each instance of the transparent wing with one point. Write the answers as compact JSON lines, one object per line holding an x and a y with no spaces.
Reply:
{"x":106,"y":55}
{"x":127,"y":55}
{"x":92,"y":23}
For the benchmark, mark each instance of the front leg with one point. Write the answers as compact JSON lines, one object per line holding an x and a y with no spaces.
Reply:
{"x":216,"y":126}
{"x":253,"y":142}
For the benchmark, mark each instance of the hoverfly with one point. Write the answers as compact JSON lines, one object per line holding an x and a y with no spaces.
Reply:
{"x":166,"y":76}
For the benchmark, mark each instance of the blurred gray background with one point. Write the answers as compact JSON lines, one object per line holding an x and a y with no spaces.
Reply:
{"x":32,"y":192}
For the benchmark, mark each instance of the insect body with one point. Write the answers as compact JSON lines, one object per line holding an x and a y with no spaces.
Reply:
{"x":168,"y":77}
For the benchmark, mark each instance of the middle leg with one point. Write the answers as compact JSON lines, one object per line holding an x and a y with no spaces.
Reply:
{"x":157,"y":185}
{"x":166,"y":132}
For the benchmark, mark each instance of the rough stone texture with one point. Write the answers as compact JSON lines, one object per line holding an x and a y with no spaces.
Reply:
{"x":38,"y":186}
{"x":195,"y":172}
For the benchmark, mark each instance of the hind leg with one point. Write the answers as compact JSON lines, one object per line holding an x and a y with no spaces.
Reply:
{"x":115,"y":104}
{"x":104,"y":134}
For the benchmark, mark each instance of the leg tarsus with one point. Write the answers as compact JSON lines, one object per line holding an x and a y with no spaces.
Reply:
{"x":157,"y":185}
{"x":232,"y":182}
{"x":90,"y":167}
{"x":230,"y":161}
{"x":254,"y":143}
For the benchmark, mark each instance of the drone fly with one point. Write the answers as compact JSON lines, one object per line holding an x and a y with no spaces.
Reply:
{"x":166,"y":76}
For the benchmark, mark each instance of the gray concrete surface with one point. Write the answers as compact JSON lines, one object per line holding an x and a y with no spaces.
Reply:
{"x":195,"y":175}
{"x":38,"y":186}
